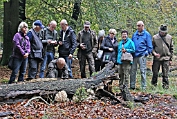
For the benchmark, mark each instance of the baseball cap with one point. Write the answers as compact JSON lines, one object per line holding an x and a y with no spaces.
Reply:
{"x":86,"y":24}
{"x":39,"y":23}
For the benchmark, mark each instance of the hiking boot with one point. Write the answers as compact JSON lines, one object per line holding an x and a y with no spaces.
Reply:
{"x":165,"y":86}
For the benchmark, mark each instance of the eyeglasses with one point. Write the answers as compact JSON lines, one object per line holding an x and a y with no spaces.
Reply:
{"x":53,"y":27}
{"x":62,"y":24}
{"x":112,"y":33}
{"x":138,"y":25}
{"x":25,"y":27}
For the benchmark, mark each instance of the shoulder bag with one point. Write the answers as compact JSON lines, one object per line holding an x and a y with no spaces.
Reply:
{"x":126,"y":56}
{"x":11,"y":62}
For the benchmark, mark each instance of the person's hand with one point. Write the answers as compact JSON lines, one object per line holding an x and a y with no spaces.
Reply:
{"x":49,"y":41}
{"x":70,"y":56}
{"x":26,"y":55}
{"x":53,"y":42}
{"x":123,"y":50}
{"x":82,"y":45}
{"x":157,"y":55}
{"x":170,"y":63}
{"x":111,"y":49}
{"x":60,"y":43}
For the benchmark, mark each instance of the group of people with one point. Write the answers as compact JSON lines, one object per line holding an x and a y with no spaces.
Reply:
{"x":36,"y":47}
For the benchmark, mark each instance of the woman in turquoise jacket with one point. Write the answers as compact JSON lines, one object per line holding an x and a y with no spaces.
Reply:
{"x":125,"y":45}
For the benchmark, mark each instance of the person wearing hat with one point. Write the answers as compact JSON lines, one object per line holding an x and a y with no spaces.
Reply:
{"x":36,"y":54}
{"x":162,"y":52}
{"x":57,"y":69}
{"x":143,"y":47}
{"x":87,"y":44}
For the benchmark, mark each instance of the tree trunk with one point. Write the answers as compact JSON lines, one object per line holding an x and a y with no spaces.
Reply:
{"x":11,"y":21}
{"x":22,"y":4}
{"x":45,"y":87}
{"x":76,"y":12}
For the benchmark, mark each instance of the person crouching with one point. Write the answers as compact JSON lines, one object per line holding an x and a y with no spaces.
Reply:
{"x":57,"y":68}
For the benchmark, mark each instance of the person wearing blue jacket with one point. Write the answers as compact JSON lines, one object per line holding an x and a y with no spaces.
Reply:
{"x":125,"y":45}
{"x":143,"y":47}
{"x":36,"y":47}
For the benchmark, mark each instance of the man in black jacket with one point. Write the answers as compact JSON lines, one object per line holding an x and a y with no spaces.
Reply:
{"x":67,"y":44}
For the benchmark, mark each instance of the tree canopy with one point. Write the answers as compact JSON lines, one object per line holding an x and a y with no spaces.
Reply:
{"x":106,"y":14}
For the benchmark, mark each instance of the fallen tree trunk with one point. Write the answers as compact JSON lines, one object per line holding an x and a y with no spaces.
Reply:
{"x":26,"y":90}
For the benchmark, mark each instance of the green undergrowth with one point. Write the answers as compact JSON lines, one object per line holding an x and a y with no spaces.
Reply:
{"x":4,"y":81}
{"x":158,"y":89}
{"x":150,"y":89}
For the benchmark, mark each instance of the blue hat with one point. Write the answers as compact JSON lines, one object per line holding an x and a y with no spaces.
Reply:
{"x":39,"y":23}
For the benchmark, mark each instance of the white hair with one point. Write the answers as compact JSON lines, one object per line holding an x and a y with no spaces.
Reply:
{"x":34,"y":26}
{"x":60,"y":63}
{"x":140,"y":23}
{"x":64,"y":21}
{"x":53,"y":22}
{"x":101,"y":33}
{"x":21,"y":25}
{"x":113,"y":31}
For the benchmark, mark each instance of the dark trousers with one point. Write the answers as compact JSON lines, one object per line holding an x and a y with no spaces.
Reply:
{"x":19,"y":65}
{"x":33,"y":67}
{"x":165,"y":69}
{"x":124,"y":74}
{"x":82,"y":63}
{"x":98,"y":64}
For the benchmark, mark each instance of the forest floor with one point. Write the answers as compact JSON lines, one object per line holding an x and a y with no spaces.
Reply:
{"x":159,"y":106}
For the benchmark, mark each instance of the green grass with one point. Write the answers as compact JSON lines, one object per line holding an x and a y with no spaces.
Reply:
{"x":4,"y":81}
{"x":158,"y":89}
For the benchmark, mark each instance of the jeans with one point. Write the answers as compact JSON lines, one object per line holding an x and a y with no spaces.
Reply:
{"x":19,"y":64}
{"x":69,"y":63}
{"x":142,"y":64}
{"x":49,"y":56}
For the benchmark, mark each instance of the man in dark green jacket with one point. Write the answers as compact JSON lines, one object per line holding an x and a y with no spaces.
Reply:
{"x":87,"y":44}
{"x":163,"y":52}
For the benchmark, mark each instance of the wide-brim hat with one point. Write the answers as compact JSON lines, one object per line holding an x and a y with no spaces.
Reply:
{"x":39,"y":23}
{"x":163,"y":28}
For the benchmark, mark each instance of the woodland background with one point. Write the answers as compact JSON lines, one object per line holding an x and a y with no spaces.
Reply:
{"x":103,"y":14}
